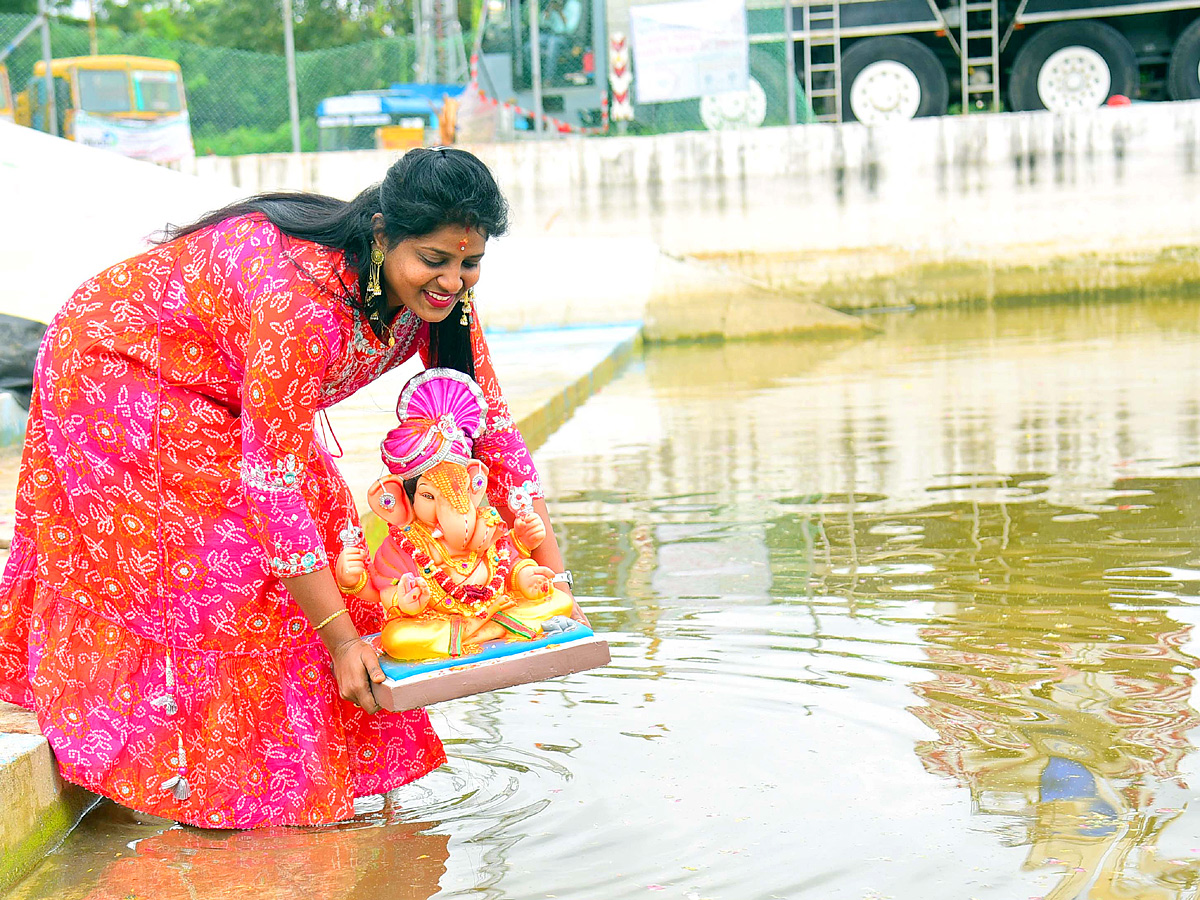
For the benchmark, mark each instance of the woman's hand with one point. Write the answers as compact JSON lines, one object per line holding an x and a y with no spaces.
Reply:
{"x":356,"y":668}
{"x":351,"y":563}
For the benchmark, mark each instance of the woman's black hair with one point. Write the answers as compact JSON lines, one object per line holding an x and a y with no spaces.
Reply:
{"x":423,"y":191}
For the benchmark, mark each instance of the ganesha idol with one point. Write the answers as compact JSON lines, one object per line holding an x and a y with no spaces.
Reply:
{"x":452,"y":576}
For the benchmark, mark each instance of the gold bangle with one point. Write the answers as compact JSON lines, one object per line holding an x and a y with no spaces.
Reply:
{"x":521,"y":548}
{"x":362,"y":583}
{"x":329,"y":618}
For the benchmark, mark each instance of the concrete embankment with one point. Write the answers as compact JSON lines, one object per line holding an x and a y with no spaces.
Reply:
{"x":976,"y":208}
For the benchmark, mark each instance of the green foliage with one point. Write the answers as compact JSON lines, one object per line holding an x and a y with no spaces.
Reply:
{"x":158,"y":22}
{"x":257,"y":25}
{"x":237,"y":141}
{"x":238,"y":93}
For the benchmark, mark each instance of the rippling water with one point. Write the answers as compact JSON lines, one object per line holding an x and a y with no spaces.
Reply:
{"x":908,"y":617}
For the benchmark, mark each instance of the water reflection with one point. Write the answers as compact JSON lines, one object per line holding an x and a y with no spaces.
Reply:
{"x":1060,"y":698}
{"x":157,"y":861}
{"x":1002,"y":475}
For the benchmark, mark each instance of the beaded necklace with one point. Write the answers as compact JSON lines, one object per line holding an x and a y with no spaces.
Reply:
{"x":467,"y":599}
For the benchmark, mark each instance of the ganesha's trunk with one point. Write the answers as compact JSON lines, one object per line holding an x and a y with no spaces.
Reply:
{"x":458,"y":530}
{"x":482,"y":536}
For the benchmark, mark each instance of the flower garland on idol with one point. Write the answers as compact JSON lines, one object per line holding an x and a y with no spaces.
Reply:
{"x":472,"y":599}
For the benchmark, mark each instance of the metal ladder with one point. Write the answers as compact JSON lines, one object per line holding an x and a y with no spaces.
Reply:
{"x":980,"y":51}
{"x":823,"y":75}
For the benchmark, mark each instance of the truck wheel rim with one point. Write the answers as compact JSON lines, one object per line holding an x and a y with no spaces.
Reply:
{"x":1074,"y":78}
{"x":735,"y":109}
{"x":885,"y":91}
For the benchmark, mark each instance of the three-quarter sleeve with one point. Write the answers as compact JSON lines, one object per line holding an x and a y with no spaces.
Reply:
{"x":288,"y":351}
{"x":501,"y":447}
{"x":291,"y":340}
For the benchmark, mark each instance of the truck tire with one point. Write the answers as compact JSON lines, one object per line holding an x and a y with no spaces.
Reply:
{"x":1183,"y":75}
{"x":887,"y":79}
{"x":735,"y":109}
{"x":769,"y":69}
{"x":1072,"y":65}
{"x":765,"y":103}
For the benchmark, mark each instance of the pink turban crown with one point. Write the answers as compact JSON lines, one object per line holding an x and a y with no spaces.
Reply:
{"x":442,"y":413}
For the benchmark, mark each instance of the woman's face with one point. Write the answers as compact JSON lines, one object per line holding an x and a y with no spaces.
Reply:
{"x":429,"y":274}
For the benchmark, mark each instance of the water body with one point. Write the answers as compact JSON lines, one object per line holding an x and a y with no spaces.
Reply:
{"x":907,"y":617}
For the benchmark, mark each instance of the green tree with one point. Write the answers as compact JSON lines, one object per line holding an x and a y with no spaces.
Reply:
{"x":257,"y":25}
{"x":159,"y":20}
{"x":29,"y":7}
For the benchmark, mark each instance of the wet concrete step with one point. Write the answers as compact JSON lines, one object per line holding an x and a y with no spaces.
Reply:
{"x":37,"y":810}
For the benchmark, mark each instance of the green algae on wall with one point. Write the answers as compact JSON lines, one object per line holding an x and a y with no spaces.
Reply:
{"x":32,"y":824}
{"x":879,"y":279}
{"x":694,"y":300}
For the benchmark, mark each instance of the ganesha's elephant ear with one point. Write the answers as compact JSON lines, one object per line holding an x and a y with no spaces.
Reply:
{"x":442,"y":413}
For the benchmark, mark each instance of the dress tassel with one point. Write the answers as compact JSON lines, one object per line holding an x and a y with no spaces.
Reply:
{"x":166,"y":702}
{"x":178,"y":786}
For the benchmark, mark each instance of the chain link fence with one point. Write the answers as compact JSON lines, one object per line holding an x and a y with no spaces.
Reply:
{"x":238,"y":99}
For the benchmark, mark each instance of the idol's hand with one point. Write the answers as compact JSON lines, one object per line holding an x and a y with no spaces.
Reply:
{"x":356,"y":668}
{"x":351,"y":563}
{"x":534,"y":581}
{"x":411,"y":596}
{"x":530,"y":530}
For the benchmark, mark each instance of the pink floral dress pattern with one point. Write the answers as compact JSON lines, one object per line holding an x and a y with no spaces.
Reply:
{"x":170,"y":480}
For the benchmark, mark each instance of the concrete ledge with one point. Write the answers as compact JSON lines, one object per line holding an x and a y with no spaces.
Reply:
{"x":696,"y":301}
{"x":37,"y":809}
{"x":891,"y":214}
{"x":875,"y":278}
{"x":540,"y":422}
{"x":599,"y":281}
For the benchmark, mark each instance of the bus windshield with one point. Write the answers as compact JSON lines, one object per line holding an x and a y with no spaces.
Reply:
{"x":156,"y":91}
{"x":108,"y":91}
{"x":103,"y":90}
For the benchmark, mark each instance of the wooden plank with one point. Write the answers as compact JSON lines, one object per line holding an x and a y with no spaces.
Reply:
{"x":539,"y":664}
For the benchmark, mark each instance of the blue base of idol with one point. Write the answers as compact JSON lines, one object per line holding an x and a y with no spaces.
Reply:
{"x":568,"y":647}
{"x":395,"y":669}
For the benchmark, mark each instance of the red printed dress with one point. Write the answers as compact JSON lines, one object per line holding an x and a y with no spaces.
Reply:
{"x":170,"y":480}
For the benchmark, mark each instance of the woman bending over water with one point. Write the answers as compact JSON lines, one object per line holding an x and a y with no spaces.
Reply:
{"x":168,"y":607}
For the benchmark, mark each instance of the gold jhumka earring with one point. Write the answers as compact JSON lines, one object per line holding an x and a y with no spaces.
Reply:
{"x":468,"y":299}
{"x":373,"y":287}
{"x":374,"y":290}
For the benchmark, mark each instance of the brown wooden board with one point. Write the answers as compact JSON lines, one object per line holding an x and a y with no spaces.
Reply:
{"x":428,"y":688}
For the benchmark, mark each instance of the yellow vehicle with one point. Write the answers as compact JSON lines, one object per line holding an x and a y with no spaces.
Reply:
{"x":134,"y":105}
{"x":6,"y":107}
